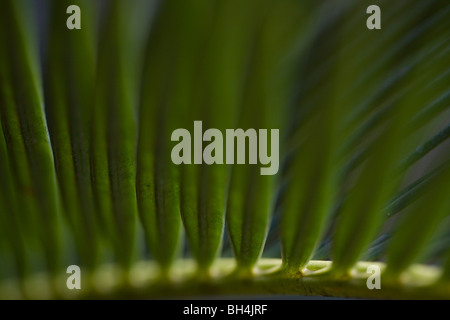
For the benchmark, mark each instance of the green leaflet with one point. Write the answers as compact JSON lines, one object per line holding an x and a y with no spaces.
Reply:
{"x":422,"y":220}
{"x":69,"y":97}
{"x":113,"y":138}
{"x":157,"y":178}
{"x":432,"y":205}
{"x":202,"y":189}
{"x":418,"y":94}
{"x":10,"y":216}
{"x":308,"y":197}
{"x":361,"y":212}
{"x":251,"y":195}
{"x":246,"y":219}
{"x":24,"y":123}
{"x":412,"y":192}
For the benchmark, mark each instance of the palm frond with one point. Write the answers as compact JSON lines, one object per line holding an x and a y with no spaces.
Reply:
{"x":87,"y":123}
